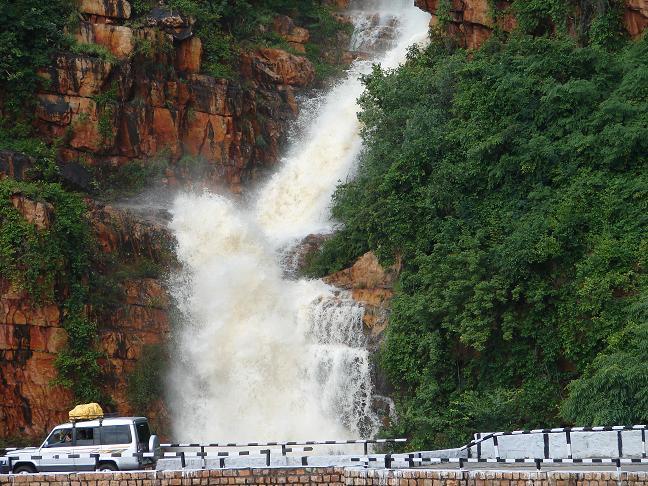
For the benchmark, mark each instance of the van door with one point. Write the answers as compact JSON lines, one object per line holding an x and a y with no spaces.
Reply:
{"x":87,"y":442}
{"x":59,"y":443}
{"x":118,"y":439}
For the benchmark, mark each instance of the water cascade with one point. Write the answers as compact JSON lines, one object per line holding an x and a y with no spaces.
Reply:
{"x":263,"y":356}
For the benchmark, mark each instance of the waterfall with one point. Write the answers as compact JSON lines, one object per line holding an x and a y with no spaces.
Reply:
{"x":262,"y":356}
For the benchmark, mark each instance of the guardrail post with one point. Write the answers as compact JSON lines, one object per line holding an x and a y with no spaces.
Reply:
{"x":182,"y":460}
{"x":620,"y":442}
{"x":497,"y":455}
{"x":388,"y":461}
{"x":203,"y":456}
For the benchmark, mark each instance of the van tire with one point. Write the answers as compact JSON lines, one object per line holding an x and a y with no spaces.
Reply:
{"x":107,"y":466}
{"x":24,"y":469}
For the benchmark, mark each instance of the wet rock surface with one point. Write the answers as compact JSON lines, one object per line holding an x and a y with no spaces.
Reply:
{"x":372,"y":285}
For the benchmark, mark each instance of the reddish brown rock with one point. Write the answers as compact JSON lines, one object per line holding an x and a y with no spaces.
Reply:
{"x":471,"y":23}
{"x":77,"y":75}
{"x":636,"y":17}
{"x":296,"y":37}
{"x":286,"y":68}
{"x":120,"y":9}
{"x":36,"y":212}
{"x":371,"y":285}
{"x":188,"y":56}
{"x":118,"y":39}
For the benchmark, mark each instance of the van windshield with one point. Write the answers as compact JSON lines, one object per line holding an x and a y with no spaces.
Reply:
{"x":60,"y":438}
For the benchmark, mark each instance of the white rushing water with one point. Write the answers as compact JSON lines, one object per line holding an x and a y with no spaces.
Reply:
{"x":262,"y":356}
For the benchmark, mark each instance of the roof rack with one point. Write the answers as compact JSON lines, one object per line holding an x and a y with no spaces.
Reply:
{"x":94,"y":417}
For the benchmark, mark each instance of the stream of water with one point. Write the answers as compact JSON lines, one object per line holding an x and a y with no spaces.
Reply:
{"x":262,"y":356}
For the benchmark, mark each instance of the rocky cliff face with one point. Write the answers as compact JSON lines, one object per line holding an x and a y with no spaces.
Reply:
{"x":31,"y":335}
{"x":471,"y":21}
{"x":149,"y":97}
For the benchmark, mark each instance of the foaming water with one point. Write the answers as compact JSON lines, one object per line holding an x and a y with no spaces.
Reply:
{"x":262,"y":356}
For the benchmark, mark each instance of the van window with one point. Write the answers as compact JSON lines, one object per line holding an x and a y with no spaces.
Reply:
{"x":143,"y":435}
{"x":86,"y":436}
{"x":115,"y":434}
{"x":60,"y":438}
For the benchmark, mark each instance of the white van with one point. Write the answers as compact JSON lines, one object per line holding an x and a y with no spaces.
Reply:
{"x":108,"y":444}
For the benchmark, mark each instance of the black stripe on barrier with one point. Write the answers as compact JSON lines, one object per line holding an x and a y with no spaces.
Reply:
{"x":643,"y":443}
{"x":620,"y":443}
{"x":477,"y":440}
{"x":304,"y":460}
{"x":545,"y":440}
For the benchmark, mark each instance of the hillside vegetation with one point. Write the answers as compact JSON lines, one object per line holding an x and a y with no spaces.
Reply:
{"x":512,"y":182}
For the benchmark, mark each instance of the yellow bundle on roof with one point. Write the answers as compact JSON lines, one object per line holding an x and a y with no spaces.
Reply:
{"x":87,"y":411}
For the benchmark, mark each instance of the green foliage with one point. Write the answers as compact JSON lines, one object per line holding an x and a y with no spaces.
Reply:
{"x":31,"y":30}
{"x":16,"y":136}
{"x":106,"y":102}
{"x":93,"y":50}
{"x":513,"y":185}
{"x":614,"y":387}
{"x":595,"y":22}
{"x":145,"y":382}
{"x":52,"y":264}
{"x":443,"y":12}
{"x":130,"y":178}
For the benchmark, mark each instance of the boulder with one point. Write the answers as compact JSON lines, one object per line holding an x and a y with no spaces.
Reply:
{"x":36,"y":212}
{"x":174,"y":23}
{"x":635,"y":17}
{"x":296,"y":37}
{"x":118,"y":39}
{"x":372,"y":286}
{"x":277,"y":66}
{"x":189,"y":55}
{"x":119,"y":9}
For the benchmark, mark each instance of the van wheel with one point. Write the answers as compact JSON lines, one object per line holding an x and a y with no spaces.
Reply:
{"x":106,"y":467}
{"x":24,"y":469}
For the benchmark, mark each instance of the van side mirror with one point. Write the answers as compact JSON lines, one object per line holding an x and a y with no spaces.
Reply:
{"x":154,"y":446}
